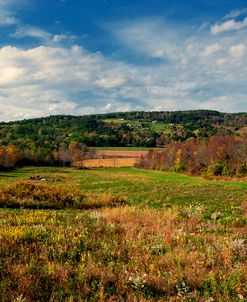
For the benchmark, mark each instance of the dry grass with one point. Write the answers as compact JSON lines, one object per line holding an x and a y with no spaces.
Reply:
{"x":242,"y":131}
{"x":128,"y":254}
{"x":42,"y":196}
{"x":192,"y":248}
{"x":110,"y":162}
{"x":146,"y":223}
{"x":112,"y":159}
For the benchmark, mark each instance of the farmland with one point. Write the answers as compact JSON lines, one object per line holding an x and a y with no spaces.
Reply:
{"x":110,"y":162}
{"x":122,"y":234}
{"x":112,"y":158}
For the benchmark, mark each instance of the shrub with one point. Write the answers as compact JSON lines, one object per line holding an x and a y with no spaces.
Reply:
{"x":242,"y":169}
{"x":217,"y":169}
{"x":42,"y":196}
{"x":179,"y":167}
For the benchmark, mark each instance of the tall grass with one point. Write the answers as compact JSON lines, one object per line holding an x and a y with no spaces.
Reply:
{"x":42,"y":196}
{"x":121,"y":254}
{"x":176,"y":238}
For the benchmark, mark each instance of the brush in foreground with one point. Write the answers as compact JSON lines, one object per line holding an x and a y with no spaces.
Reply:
{"x":43,"y":196}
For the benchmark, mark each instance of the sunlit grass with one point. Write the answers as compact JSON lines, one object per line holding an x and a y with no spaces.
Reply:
{"x":178,"y":238}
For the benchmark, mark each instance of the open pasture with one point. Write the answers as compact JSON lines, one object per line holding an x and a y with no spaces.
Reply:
{"x":173,"y":238}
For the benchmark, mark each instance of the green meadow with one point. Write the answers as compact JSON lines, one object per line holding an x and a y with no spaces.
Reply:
{"x":121,"y":234}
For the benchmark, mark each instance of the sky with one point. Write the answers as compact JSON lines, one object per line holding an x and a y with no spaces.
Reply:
{"x":96,"y":56}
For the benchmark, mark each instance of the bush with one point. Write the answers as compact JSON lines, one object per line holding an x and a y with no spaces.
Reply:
{"x":216,"y":168}
{"x":179,"y":167}
{"x":42,"y":196}
{"x":242,"y":170}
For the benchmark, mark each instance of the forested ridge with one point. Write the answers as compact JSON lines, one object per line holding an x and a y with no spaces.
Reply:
{"x":120,"y":129}
{"x":40,"y":140}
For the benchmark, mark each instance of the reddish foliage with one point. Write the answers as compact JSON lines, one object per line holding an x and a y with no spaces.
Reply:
{"x":219,"y":155}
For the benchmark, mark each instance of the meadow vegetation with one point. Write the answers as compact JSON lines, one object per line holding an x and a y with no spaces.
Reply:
{"x":121,"y":235}
{"x":40,"y":196}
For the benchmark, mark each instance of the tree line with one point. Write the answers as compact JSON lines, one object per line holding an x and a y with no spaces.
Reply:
{"x":220,"y":155}
{"x":43,"y":136}
{"x":73,"y":154}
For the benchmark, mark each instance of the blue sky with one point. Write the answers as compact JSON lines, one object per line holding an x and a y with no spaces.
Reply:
{"x":96,"y":56}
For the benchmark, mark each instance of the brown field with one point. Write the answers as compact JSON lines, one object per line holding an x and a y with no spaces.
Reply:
{"x":242,"y":131}
{"x":121,"y":154}
{"x":111,"y":159}
{"x":110,"y":162}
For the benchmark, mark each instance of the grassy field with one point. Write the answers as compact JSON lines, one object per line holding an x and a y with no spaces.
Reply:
{"x":155,"y":126}
{"x":121,"y":235}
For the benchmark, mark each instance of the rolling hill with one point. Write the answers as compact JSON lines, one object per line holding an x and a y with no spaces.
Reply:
{"x":134,"y":129}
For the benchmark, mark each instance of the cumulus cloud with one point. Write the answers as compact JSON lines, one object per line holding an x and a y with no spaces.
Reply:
{"x":177,"y":69}
{"x":52,"y":80}
{"x":55,"y":80}
{"x":229,"y":25}
{"x":221,"y":61}
{"x":63,"y":37}
{"x":237,"y":51}
{"x":211,"y":49}
{"x":59,"y":38}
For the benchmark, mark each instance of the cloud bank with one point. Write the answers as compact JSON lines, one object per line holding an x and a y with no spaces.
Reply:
{"x":168,"y":67}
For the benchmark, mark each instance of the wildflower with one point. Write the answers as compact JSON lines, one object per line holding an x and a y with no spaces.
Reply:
{"x":182,"y":289}
{"x":238,"y":245}
{"x":137,"y":282}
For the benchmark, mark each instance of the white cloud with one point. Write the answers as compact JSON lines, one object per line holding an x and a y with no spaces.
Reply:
{"x":211,"y":49}
{"x":237,"y":51}
{"x":62,"y":37}
{"x":193,"y":71}
{"x":33,"y":32}
{"x":229,"y":25}
{"x":236,"y":13}
{"x":10,"y":75}
{"x":159,"y":53}
{"x":110,"y":81}
{"x":7,"y":16}
{"x":52,"y":80}
{"x":221,"y":61}
{"x":59,"y":38}
{"x":145,"y":36}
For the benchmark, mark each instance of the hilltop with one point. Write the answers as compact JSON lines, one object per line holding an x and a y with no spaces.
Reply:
{"x":136,"y":129}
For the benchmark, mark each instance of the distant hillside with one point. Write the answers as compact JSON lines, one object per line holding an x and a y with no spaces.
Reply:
{"x":139,"y":129}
